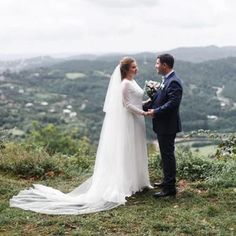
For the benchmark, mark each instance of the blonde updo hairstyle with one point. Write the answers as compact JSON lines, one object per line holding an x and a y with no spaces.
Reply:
{"x":125,"y":66}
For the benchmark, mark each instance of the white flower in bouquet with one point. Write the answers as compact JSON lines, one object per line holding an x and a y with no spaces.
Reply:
{"x":151,"y":87}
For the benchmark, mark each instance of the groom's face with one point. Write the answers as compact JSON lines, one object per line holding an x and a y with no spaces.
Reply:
{"x":160,"y":68}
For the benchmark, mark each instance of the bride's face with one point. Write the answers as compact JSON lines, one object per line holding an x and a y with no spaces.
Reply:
{"x":133,"y":69}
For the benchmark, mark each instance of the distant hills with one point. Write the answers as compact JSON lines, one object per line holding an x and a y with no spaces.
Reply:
{"x":28,"y":63}
{"x":70,"y":92}
{"x":200,"y":54}
{"x":189,"y":54}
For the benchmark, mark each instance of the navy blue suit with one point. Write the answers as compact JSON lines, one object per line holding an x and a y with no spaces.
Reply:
{"x":166,"y":123}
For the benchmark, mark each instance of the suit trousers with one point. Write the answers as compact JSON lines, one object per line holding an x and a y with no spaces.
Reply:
{"x":168,"y":162}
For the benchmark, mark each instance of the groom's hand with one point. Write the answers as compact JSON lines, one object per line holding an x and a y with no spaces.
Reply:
{"x":147,"y":104}
{"x":150,"y":113}
{"x":149,"y":100}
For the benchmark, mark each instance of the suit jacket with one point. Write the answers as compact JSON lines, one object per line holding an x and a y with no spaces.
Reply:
{"x":166,"y":104}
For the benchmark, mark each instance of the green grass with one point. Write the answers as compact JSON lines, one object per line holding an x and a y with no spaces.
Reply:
{"x":197,"y":210}
{"x":75,"y":75}
{"x":45,"y":96}
{"x":100,"y":74}
{"x":203,"y":151}
{"x":205,"y":206}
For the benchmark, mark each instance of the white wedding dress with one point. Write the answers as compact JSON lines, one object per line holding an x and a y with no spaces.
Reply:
{"x":121,"y":166}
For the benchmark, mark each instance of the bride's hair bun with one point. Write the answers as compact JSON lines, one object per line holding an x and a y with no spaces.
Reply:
{"x":125,"y":63}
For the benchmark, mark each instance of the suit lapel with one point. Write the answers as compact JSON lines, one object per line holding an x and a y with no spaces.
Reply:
{"x":171,"y":75}
{"x":165,"y":82}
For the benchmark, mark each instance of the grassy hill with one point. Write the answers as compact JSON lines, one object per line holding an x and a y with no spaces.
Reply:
{"x":197,"y":209}
{"x":205,"y":203}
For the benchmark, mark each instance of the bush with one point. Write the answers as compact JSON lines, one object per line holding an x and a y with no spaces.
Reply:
{"x":227,"y":148}
{"x":220,"y":170}
{"x":33,"y":161}
{"x":227,"y":176}
{"x":55,"y":140}
{"x":190,"y":166}
{"x":194,"y":167}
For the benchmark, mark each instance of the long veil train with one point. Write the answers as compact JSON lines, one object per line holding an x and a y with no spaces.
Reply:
{"x":114,"y":172}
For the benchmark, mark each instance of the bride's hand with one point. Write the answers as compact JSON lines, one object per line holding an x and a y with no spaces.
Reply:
{"x":149,"y":113}
{"x":145,"y":113}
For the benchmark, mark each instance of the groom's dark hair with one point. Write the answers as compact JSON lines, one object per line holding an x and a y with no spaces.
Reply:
{"x":167,"y":58}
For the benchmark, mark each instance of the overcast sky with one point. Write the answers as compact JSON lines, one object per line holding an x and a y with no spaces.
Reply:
{"x":101,"y":26}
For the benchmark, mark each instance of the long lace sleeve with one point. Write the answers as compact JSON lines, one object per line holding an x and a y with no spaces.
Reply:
{"x":127,"y":91}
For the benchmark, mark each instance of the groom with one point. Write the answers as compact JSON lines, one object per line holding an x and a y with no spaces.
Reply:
{"x":164,"y":109}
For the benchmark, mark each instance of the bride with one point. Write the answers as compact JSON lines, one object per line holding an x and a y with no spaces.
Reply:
{"x":121,"y":166}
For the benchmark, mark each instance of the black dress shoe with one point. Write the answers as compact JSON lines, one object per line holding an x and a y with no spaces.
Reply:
{"x":160,"y":185}
{"x":165,"y":193}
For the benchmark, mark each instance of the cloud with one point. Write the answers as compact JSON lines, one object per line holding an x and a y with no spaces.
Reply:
{"x":108,"y":26}
{"x":124,"y":3}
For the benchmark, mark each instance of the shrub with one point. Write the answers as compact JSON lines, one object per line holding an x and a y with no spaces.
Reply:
{"x":55,"y":140}
{"x":227,"y":148}
{"x":226,"y":177}
{"x":32,"y":161}
{"x":194,"y":167}
{"x":190,"y":166}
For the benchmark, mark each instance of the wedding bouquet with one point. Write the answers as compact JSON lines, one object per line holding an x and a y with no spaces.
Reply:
{"x":151,"y":87}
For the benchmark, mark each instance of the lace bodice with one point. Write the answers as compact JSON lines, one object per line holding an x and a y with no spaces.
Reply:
{"x":132,"y":96}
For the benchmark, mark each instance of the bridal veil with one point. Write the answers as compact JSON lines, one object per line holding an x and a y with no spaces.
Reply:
{"x":114,"y":170}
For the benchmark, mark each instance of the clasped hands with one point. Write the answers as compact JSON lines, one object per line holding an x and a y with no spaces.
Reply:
{"x":149,"y":113}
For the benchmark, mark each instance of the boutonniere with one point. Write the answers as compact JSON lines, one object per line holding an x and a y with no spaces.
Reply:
{"x":162,"y":86}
